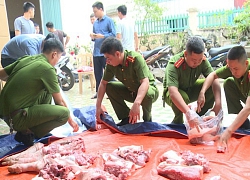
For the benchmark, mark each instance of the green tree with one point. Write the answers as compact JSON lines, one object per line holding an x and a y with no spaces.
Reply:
{"x":242,"y":22}
{"x":147,"y":10}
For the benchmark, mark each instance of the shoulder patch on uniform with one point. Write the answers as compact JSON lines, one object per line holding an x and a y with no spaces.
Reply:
{"x":178,"y":63}
{"x":131,"y":59}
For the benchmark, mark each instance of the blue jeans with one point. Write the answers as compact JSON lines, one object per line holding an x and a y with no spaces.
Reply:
{"x":7,"y":61}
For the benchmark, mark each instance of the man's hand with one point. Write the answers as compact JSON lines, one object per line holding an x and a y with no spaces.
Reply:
{"x":73,"y":124}
{"x":99,"y":112}
{"x":223,"y":141}
{"x":92,"y":35}
{"x":193,"y":119}
{"x":134,"y":113}
{"x":98,"y":36}
{"x":200,"y":102}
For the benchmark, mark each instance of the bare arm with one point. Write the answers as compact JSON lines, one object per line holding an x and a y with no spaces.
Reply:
{"x":217,"y":96}
{"x":239,"y":120}
{"x":143,"y":89}
{"x":17,"y":32}
{"x":134,"y":113}
{"x":136,"y":41}
{"x":208,"y":82}
{"x":60,"y":101}
{"x":3,"y":75}
{"x":67,"y":40}
{"x":100,"y":95}
{"x":119,"y":36}
{"x":177,"y":99}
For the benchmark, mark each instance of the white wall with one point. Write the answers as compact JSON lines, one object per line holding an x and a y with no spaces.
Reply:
{"x":75,"y":17}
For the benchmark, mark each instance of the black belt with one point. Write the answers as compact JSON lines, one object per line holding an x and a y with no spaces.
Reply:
{"x":14,"y":113}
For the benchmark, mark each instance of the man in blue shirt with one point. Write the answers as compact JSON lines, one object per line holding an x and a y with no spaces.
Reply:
{"x":18,"y":46}
{"x":103,"y":27}
{"x":23,"y":24}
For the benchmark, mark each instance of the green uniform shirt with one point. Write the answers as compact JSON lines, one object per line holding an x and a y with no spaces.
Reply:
{"x":133,"y":69}
{"x":184,"y":77}
{"x":28,"y":78}
{"x":242,"y":83}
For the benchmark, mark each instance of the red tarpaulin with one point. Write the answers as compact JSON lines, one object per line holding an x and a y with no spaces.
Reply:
{"x":234,"y":164}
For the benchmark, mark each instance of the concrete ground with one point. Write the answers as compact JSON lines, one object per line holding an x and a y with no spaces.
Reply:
{"x":159,"y":113}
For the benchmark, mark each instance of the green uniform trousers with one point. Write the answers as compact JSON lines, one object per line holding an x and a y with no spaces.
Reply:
{"x":118,"y":94}
{"x":233,"y":98}
{"x":42,"y":117}
{"x":190,"y":96}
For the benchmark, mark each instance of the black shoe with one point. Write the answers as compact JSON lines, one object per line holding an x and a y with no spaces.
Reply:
{"x":94,"y":97}
{"x":146,"y":120}
{"x":124,"y":121}
{"x":26,"y":138}
{"x":245,"y":125}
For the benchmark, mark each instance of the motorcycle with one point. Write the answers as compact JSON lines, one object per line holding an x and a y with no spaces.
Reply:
{"x":65,"y":73}
{"x":218,"y":56}
{"x":157,"y":60}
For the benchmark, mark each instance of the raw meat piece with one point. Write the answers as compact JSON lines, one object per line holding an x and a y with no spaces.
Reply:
{"x":117,"y":166}
{"x":191,"y":159}
{"x":65,"y":147}
{"x":38,"y":150}
{"x":94,"y":174}
{"x":186,"y":165}
{"x":31,"y":155}
{"x":83,"y":159}
{"x":52,"y":164}
{"x":215,"y":178}
{"x":135,"y":154}
{"x":59,"y":160}
{"x":171,"y":157}
{"x":193,"y":133}
{"x":221,"y":149}
{"x":58,"y":168}
{"x":180,"y":172}
{"x":25,"y":167}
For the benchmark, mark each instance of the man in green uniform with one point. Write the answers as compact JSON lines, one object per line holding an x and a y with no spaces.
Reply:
{"x":237,"y":89}
{"x":181,"y":83}
{"x":136,"y":84}
{"x":25,"y":101}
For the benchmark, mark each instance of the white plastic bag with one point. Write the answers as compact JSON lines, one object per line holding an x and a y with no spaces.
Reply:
{"x":209,"y":129}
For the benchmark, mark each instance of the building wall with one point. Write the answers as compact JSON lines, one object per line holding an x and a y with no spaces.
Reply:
{"x":4,"y":29}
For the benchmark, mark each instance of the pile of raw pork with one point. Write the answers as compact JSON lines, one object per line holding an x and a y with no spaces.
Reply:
{"x":66,"y":159}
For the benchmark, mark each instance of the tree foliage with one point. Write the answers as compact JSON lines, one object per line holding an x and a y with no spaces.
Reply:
{"x":147,"y":9}
{"x":242,"y":22}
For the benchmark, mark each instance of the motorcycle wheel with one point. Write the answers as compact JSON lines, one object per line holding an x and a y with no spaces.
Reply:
{"x":68,"y":82}
{"x":163,"y":64}
{"x":160,"y":79}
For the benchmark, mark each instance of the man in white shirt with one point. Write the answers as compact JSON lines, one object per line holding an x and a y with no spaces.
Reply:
{"x":126,"y":31}
{"x":92,"y":20}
